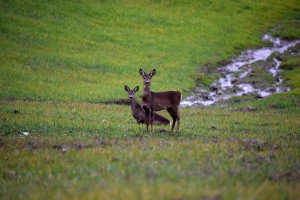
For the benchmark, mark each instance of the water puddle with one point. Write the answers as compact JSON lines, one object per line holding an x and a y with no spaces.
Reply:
{"x":231,"y":83}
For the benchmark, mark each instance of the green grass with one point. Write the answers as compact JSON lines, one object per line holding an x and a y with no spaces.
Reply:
{"x":88,"y":51}
{"x":150,"y":169}
{"x":59,"y":59}
{"x":83,"y":150}
{"x":54,"y":119}
{"x":77,"y":150}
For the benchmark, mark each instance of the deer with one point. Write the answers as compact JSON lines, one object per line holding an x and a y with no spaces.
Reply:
{"x":156,"y":101}
{"x":139,"y":114}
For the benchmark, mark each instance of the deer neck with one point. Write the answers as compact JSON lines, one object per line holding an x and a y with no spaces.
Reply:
{"x":147,"y":97}
{"x":134,"y":105}
{"x":146,"y":90}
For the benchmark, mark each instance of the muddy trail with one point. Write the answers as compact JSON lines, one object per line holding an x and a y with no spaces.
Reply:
{"x":254,"y":73}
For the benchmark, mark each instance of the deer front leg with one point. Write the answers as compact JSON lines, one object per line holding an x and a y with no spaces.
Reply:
{"x":151,"y":119}
{"x":149,"y":114}
{"x":147,"y":124}
{"x":147,"y":111}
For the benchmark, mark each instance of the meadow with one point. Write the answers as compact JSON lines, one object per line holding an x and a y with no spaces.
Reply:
{"x":64,"y":63}
{"x":87,"y":51}
{"x":77,"y":150}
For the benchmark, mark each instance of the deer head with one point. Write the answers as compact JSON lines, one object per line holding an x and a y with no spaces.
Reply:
{"x":131,"y":93}
{"x":147,"y":77}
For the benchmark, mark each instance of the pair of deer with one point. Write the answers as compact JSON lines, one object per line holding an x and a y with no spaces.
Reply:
{"x":154,"y":101}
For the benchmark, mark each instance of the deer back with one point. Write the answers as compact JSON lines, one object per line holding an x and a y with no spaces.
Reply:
{"x":164,"y":100}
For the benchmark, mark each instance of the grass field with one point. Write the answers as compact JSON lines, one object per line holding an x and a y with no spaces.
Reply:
{"x":77,"y":150}
{"x":87,"y":51}
{"x":60,"y":60}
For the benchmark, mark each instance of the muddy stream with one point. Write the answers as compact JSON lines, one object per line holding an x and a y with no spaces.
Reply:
{"x":239,"y":77}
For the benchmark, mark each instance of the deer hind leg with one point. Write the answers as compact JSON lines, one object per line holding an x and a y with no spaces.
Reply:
{"x":178,"y":119}
{"x":174,"y":117}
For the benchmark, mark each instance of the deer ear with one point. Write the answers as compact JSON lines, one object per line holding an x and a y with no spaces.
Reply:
{"x":153,"y":72}
{"x":142,"y":73}
{"x":136,"y":89}
{"x":127,"y":88}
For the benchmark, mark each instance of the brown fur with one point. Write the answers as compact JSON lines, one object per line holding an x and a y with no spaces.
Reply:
{"x":155,"y":101}
{"x":139,"y":114}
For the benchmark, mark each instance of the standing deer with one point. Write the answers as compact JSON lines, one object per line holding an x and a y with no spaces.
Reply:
{"x":156,"y":101}
{"x":139,"y":114}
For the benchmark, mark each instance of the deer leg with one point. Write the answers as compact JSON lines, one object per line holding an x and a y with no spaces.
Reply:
{"x":151,"y":119}
{"x":146,"y":108}
{"x":178,"y":119}
{"x":147,"y":124}
{"x":171,"y":112}
{"x":148,"y":115}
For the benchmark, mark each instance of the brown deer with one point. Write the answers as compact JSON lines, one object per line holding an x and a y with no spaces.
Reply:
{"x":156,"y":101}
{"x":139,"y":114}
